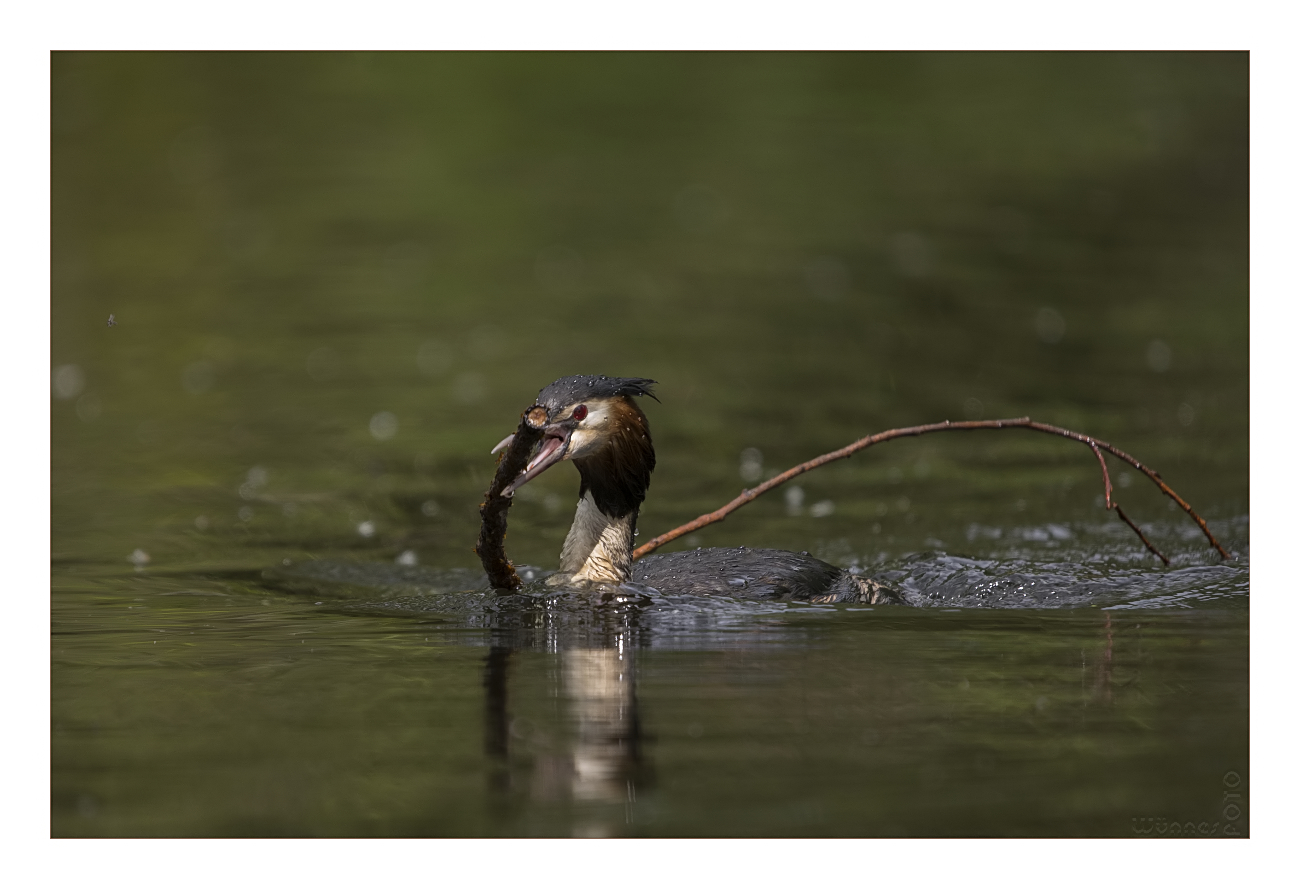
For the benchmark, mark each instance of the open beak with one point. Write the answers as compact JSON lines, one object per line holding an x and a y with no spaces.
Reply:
{"x":553,"y":448}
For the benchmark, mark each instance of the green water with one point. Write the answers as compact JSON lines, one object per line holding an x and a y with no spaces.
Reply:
{"x":335,"y":281}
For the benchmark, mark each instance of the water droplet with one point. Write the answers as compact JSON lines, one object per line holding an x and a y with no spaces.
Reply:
{"x":199,"y":376}
{"x":383,"y":425}
{"x":794,"y":497}
{"x":1050,"y":325}
{"x":1159,"y":356}
{"x":469,"y":388}
{"x":89,"y":407}
{"x":68,"y":381}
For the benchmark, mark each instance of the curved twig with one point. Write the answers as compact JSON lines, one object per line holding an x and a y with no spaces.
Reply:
{"x":1111,"y":504}
{"x":1096,"y":444}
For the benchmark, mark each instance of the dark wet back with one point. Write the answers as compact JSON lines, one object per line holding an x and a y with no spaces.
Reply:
{"x":739,"y":572}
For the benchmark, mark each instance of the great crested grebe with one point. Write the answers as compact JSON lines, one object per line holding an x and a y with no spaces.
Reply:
{"x":594,"y":422}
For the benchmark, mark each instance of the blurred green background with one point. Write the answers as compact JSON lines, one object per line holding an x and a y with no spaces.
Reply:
{"x":802,"y":248}
{"x":336,"y":279}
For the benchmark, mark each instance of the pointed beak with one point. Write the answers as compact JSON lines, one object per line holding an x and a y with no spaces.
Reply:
{"x":553,"y":448}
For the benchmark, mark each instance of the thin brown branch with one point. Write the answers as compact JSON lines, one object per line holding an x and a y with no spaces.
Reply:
{"x":492,"y":532}
{"x":1105,"y":474}
{"x":1138,"y":531}
{"x":1111,"y":504}
{"x":909,"y":431}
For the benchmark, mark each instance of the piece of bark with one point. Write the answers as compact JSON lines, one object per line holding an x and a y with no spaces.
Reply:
{"x":492,"y":532}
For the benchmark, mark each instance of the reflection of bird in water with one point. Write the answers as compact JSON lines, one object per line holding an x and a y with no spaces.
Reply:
{"x":602,"y":694}
{"x":595,"y":422}
{"x":599,"y":758}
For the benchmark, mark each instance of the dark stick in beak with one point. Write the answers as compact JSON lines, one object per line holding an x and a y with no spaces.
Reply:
{"x":511,"y":466}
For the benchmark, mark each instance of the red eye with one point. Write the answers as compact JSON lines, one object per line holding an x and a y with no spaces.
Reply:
{"x":580,"y":412}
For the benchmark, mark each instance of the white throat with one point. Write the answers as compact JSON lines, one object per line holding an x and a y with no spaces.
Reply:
{"x":598,"y":548}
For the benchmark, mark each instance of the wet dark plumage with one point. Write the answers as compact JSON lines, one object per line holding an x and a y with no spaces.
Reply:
{"x":744,"y":573}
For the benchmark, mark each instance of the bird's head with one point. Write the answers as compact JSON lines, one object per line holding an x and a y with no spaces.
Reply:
{"x":594,"y":422}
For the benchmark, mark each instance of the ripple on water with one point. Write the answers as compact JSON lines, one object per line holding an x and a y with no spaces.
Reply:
{"x":552,"y":616}
{"x":537,"y":614}
{"x":942,"y":580}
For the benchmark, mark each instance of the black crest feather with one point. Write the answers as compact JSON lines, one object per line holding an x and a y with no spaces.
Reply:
{"x":571,"y":390}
